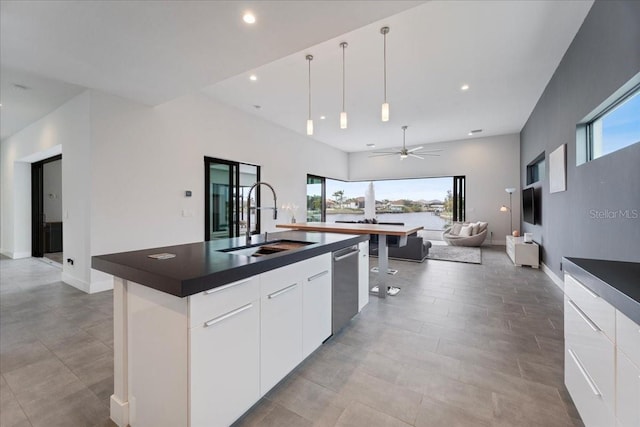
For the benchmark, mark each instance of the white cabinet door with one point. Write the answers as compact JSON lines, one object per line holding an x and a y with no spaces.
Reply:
{"x":363,"y":275}
{"x":281,"y":321}
{"x":628,"y":392}
{"x":316,"y":303}
{"x":225,"y":366}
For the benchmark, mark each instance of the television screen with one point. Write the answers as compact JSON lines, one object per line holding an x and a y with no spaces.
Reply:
{"x":528,"y":205}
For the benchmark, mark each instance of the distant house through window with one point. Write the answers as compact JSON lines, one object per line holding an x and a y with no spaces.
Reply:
{"x":432,"y":203}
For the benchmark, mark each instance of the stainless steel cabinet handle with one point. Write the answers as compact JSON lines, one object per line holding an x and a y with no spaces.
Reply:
{"x":582,"y":314}
{"x":317,"y":276}
{"x":585,"y":374}
{"x":227,"y":315}
{"x":587,"y":290}
{"x":341,"y":257}
{"x":282,"y":291}
{"x":221,"y":288}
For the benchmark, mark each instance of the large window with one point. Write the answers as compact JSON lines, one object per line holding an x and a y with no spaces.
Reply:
{"x":428,"y":202}
{"x":611,"y":127}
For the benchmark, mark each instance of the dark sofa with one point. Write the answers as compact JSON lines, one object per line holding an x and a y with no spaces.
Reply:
{"x":416,"y":248}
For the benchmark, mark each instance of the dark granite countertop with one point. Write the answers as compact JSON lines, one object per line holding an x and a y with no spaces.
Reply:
{"x":201,"y":266}
{"x":617,"y":282}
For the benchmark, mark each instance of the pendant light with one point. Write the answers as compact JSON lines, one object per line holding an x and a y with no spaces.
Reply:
{"x":309,"y":120}
{"x":385,"y":106}
{"x":343,"y":114}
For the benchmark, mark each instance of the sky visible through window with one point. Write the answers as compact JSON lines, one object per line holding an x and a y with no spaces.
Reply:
{"x":395,"y":189}
{"x":621,"y":127}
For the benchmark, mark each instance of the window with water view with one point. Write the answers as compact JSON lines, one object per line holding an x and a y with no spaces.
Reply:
{"x":432,"y":203}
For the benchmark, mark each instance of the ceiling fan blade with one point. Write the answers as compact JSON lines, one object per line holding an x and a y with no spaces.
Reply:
{"x":414,"y":149}
{"x":427,"y":154}
{"x":416,"y":156}
{"x":432,"y":151}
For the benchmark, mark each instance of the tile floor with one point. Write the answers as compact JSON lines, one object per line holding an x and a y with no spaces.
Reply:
{"x":461,"y":345}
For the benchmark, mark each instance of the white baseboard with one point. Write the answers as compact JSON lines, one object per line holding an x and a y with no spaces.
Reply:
{"x":119,"y":412}
{"x":76,"y":283}
{"x":90,"y":288}
{"x":559,"y":282}
{"x":16,"y":255}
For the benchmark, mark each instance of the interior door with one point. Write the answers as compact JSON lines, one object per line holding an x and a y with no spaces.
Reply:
{"x":46,"y":232}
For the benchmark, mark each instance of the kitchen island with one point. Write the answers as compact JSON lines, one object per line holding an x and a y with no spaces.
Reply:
{"x":203,"y":330}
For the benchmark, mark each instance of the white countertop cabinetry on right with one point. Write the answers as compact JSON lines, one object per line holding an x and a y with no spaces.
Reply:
{"x":602,"y":358}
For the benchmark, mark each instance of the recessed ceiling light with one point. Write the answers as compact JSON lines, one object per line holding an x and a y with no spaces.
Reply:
{"x":253,"y":77}
{"x":371,"y":145}
{"x":464,"y":87}
{"x":249,"y":18}
{"x":322,"y":117}
{"x":473,"y":132}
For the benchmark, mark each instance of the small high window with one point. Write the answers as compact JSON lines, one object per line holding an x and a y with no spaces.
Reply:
{"x":612,"y":126}
{"x":536,"y":170}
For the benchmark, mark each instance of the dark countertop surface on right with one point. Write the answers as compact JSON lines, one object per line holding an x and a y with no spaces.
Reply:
{"x":617,"y":282}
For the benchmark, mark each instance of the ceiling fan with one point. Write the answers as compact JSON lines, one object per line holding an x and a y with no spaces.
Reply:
{"x":403,"y":152}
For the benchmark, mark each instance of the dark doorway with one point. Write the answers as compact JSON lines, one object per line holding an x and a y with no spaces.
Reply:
{"x":227,"y":185}
{"x":46,"y":208}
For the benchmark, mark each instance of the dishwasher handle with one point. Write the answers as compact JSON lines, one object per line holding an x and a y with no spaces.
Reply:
{"x":347,"y":255}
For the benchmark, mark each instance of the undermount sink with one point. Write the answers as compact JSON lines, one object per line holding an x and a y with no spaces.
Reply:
{"x":266,"y":248}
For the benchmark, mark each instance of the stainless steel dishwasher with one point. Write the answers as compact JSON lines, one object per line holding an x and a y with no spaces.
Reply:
{"x":345,"y":287}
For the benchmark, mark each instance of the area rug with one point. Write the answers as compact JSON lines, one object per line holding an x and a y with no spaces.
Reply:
{"x":456,"y":254}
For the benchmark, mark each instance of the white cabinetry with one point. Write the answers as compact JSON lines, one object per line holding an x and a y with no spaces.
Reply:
{"x":316,"y":303}
{"x":602,"y":352}
{"x":281,"y":325}
{"x":523,"y":253}
{"x":209,"y":357}
{"x":363,"y":275}
{"x":224,"y":372}
{"x":628,"y":372}
{"x":296,"y":316}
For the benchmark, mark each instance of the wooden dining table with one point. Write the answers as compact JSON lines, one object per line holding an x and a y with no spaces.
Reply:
{"x":382,"y":230}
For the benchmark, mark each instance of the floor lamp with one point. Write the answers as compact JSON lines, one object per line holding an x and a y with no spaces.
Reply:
{"x":503,"y":208}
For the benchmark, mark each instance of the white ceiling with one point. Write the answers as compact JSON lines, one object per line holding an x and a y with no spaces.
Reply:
{"x":152,"y":52}
{"x":37,"y":97}
{"x":155,"y":51}
{"x":505,"y":50}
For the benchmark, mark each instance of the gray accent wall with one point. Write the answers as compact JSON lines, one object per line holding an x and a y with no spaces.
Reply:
{"x":598,"y":216}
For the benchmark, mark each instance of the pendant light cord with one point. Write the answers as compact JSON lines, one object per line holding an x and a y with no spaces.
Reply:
{"x":344,"y":45}
{"x":385,"y":66}
{"x":309,"y":58}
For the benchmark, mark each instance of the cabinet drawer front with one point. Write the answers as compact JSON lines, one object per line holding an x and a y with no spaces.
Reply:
{"x":274,"y":280}
{"x":594,"y":350}
{"x":628,"y":338}
{"x":216,"y":302}
{"x":628,"y":393}
{"x":599,"y":311}
{"x":592,"y":408}
{"x":225,"y":368}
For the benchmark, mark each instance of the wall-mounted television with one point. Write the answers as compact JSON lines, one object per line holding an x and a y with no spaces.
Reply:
{"x":529,"y":205}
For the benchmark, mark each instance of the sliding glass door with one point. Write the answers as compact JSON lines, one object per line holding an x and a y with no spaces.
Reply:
{"x":227,"y":184}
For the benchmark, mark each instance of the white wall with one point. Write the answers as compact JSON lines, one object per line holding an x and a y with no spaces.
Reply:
{"x":68,"y":125}
{"x":52,"y":191}
{"x":145,"y":158}
{"x":490,"y":165}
